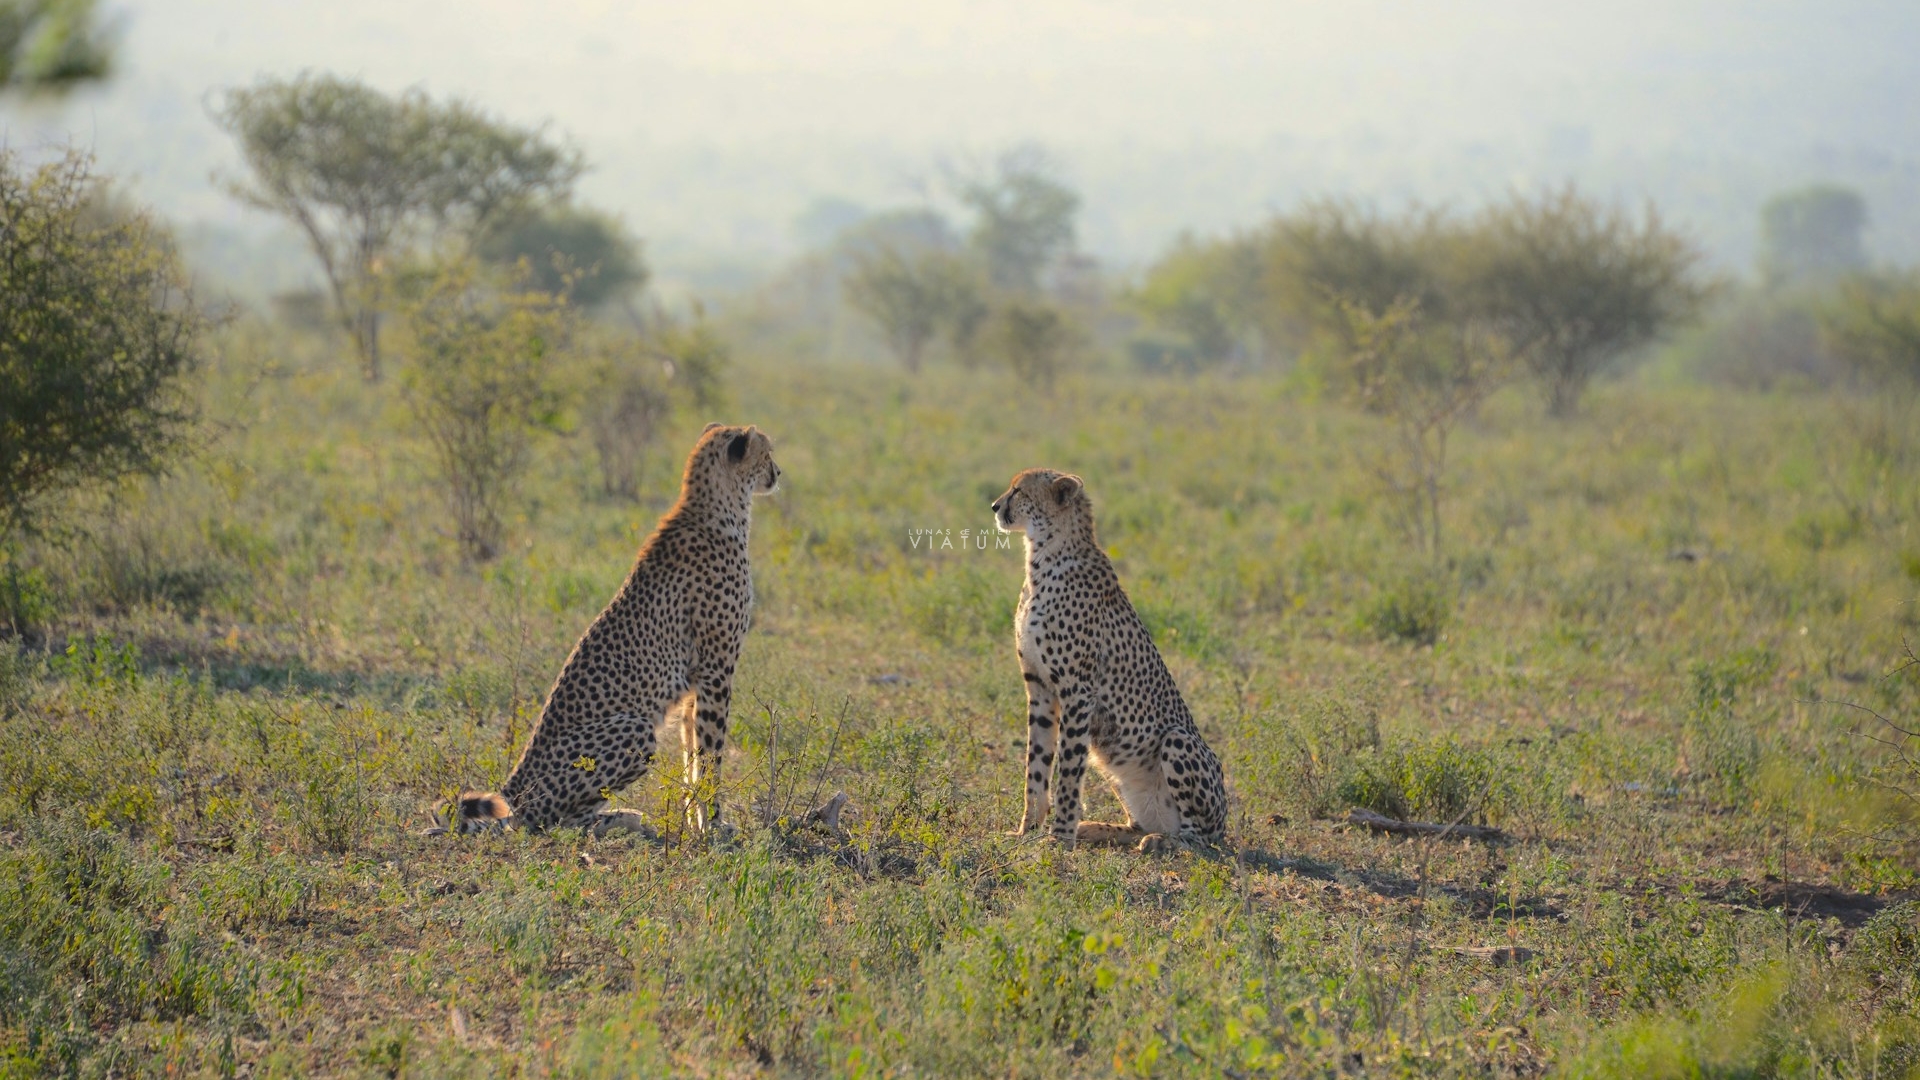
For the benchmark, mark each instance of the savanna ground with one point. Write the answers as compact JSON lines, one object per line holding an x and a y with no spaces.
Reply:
{"x":242,"y":688}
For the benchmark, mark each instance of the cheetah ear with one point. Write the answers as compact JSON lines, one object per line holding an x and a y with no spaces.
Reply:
{"x":1065,"y":488}
{"x":711,"y":426}
{"x":737,"y":449}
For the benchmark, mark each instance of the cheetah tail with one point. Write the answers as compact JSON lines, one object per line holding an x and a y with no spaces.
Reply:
{"x":475,"y":811}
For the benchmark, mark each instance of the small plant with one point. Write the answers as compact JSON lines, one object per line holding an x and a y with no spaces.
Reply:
{"x":26,"y":599}
{"x":97,"y":661}
{"x":1414,"y":609}
{"x":1424,"y":375}
{"x":1435,"y":781}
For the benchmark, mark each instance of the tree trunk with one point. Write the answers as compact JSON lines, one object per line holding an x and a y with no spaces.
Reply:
{"x":366,"y":343}
{"x":1563,"y":395}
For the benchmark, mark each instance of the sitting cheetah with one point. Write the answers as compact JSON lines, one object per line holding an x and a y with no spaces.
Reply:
{"x":1096,"y":686}
{"x":671,"y":633}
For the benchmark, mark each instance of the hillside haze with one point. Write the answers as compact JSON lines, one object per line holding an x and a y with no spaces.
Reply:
{"x":712,"y":131}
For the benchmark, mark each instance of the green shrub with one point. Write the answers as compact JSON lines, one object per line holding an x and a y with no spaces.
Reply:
{"x":961,"y":603}
{"x":1305,"y":757}
{"x":1182,"y":628}
{"x":525,"y":930}
{"x":1435,"y":781}
{"x":1886,"y":952}
{"x":94,"y":921}
{"x":1414,"y":609}
{"x":759,"y":953}
{"x":27,"y":602}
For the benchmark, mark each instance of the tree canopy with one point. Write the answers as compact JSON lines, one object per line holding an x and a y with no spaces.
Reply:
{"x":1568,"y":283}
{"x":1573,"y":284}
{"x":1023,"y":218}
{"x":584,"y":253}
{"x":360,"y":172}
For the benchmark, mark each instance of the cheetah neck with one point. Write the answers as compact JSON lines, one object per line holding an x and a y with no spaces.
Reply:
{"x":724,"y":509}
{"x":1056,"y":542}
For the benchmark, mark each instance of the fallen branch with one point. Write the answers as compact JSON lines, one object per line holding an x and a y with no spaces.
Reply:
{"x":1383,"y":824}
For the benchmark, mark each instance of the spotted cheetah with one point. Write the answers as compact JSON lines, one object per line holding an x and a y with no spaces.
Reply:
{"x":665,"y":645}
{"x":1096,"y":686}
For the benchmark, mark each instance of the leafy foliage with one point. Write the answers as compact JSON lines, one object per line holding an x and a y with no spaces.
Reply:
{"x":1208,"y":296}
{"x":1569,"y":283}
{"x":634,"y":383}
{"x":584,"y":253}
{"x":913,"y":296}
{"x":1424,"y":376}
{"x":50,"y":46}
{"x":1023,"y":218}
{"x":1033,"y":337}
{"x":98,"y":334}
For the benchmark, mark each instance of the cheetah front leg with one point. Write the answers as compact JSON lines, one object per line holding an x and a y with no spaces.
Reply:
{"x":1070,"y":767}
{"x":1043,"y":715}
{"x":713,"y":696}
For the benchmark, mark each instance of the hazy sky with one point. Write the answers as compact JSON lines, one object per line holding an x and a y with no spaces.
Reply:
{"x":711,"y":126}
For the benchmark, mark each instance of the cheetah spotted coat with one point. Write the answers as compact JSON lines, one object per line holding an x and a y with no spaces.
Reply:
{"x":672,"y":633}
{"x":1096,"y":686}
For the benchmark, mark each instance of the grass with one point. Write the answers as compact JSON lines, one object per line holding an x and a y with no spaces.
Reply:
{"x":235,"y":698}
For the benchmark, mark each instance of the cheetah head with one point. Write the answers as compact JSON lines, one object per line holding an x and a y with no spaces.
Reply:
{"x":1042,"y":503}
{"x":744,"y":453}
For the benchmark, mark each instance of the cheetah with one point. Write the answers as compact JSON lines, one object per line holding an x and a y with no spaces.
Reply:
{"x":1096,"y":686}
{"x":666,"y":645}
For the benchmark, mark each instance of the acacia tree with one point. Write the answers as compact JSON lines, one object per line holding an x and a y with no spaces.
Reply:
{"x":1023,"y":218}
{"x":906,"y":272}
{"x":98,"y":332}
{"x":1331,"y":254}
{"x":362,"y":173}
{"x":912,"y":297}
{"x":1573,"y":285}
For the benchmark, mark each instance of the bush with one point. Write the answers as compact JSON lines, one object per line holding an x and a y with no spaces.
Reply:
{"x":480,"y":382}
{"x":1306,"y":757}
{"x":1032,"y":336}
{"x":1715,"y":743}
{"x":1414,"y":609}
{"x":1436,"y":781}
{"x":98,"y":333}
